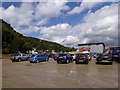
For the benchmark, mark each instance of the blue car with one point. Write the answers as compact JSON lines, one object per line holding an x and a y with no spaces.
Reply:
{"x":81,"y":58}
{"x":116,"y":55}
{"x":38,"y":58}
{"x":64,"y":58}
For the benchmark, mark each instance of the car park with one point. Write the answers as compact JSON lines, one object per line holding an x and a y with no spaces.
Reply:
{"x":17,"y":57}
{"x":81,"y":58}
{"x":64,"y":58}
{"x":104,"y":59}
{"x":35,"y":58}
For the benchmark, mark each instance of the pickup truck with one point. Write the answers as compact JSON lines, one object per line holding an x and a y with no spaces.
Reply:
{"x":19,"y":57}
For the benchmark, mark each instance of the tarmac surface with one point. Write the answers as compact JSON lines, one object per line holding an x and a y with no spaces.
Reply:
{"x":49,"y":74}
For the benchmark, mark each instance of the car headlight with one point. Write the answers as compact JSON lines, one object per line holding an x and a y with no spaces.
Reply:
{"x":16,"y":57}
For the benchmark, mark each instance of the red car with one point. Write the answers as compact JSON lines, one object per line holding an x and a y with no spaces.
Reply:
{"x":54,"y":56}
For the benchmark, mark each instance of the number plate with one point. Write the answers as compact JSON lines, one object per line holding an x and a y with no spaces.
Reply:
{"x":80,"y":60}
{"x":105,"y":61}
{"x":115,"y":55}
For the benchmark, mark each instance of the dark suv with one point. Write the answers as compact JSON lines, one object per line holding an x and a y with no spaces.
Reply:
{"x":104,"y":59}
{"x":81,"y":58}
{"x":116,"y":55}
{"x":64,"y":58}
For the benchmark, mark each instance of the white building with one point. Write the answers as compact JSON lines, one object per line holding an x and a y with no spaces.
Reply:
{"x":94,"y":47}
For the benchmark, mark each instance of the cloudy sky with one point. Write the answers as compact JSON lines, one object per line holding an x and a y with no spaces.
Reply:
{"x":67,"y":23}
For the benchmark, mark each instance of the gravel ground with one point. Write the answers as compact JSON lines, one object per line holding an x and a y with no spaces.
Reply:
{"x":49,"y":74}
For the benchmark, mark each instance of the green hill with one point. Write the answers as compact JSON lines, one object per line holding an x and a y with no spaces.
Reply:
{"x":13,"y":41}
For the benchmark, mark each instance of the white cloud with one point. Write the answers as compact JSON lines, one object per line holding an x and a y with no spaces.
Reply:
{"x":50,"y":9}
{"x":42,"y":22}
{"x":101,"y":26}
{"x":56,"y":33}
{"x":27,"y":12}
{"x":69,"y":40}
{"x":1,"y":12}
{"x":29,"y":30}
{"x":59,"y":29}
{"x":84,"y":5}
{"x":18,"y":16}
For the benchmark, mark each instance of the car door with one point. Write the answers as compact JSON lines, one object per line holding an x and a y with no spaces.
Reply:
{"x":24,"y":57}
{"x":42,"y":57}
{"x":38,"y":57}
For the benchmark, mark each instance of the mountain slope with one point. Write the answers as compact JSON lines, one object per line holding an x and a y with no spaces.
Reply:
{"x":13,"y":41}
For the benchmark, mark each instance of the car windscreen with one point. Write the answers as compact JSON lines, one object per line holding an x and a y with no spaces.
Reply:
{"x":116,"y":51}
{"x":80,"y":55}
{"x":16,"y":54}
{"x":33,"y":55}
{"x":106,"y":56}
{"x":62,"y":55}
{"x":71,"y":54}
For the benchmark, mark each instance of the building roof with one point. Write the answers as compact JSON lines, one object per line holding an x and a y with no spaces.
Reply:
{"x":92,"y":44}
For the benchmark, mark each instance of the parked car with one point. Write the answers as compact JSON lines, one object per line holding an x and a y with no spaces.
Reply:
{"x":52,"y":56}
{"x":81,"y":58}
{"x":116,"y":55}
{"x":35,"y":58}
{"x":55,"y":57}
{"x":89,"y":56}
{"x":64,"y":58}
{"x":73,"y":56}
{"x":104,"y":59}
{"x":95,"y":55}
{"x":19,"y":57}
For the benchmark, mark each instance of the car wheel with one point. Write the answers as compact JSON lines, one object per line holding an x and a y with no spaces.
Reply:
{"x":111,"y":63}
{"x":76,"y":62}
{"x":47,"y":59}
{"x":58,"y":62}
{"x":19,"y":60}
{"x":13,"y":60}
{"x":86,"y":62}
{"x":37,"y":61}
{"x":68,"y":61}
{"x":97,"y":63}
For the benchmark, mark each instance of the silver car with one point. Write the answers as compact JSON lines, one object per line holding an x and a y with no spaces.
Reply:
{"x":19,"y":57}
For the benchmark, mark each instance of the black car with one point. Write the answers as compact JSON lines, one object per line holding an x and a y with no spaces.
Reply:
{"x":73,"y":57}
{"x":64,"y":58}
{"x":116,"y":55}
{"x":81,"y":58}
{"x":104,"y":59}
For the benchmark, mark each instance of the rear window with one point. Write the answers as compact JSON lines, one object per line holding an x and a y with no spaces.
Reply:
{"x":71,"y":54}
{"x":15,"y":54}
{"x":62,"y":54}
{"x":116,"y":51}
{"x":80,"y":55}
